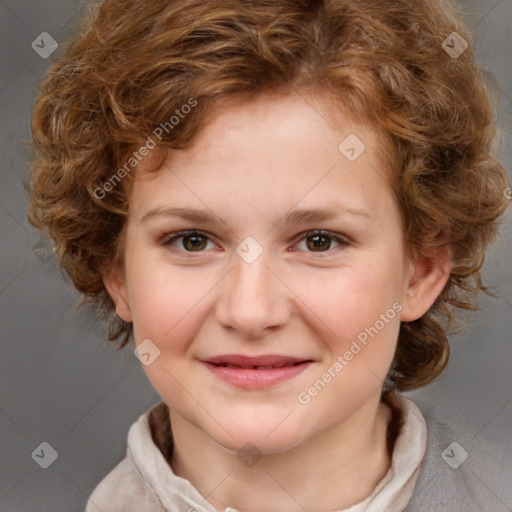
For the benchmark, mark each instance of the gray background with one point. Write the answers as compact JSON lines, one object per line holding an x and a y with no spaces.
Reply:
{"x":61,"y":383}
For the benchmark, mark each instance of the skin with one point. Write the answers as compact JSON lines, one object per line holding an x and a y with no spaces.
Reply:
{"x":254,"y":163}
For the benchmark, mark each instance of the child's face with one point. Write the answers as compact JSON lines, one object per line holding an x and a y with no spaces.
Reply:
{"x":253,"y":166}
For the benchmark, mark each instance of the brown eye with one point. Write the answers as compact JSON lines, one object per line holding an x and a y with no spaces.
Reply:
{"x":193,"y":241}
{"x":321,"y":241}
{"x":318,"y":242}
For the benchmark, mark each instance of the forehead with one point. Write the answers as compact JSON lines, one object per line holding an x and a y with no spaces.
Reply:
{"x":280,"y":122}
{"x":286,"y":148}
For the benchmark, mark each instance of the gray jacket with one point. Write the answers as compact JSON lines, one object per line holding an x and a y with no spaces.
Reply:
{"x":438,"y":465}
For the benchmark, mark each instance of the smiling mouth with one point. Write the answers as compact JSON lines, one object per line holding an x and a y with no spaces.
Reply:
{"x":256,"y":372}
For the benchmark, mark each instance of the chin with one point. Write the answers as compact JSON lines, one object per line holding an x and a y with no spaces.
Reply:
{"x":260,"y":438}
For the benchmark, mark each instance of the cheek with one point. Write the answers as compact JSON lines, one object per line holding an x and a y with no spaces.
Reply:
{"x":167,"y":309}
{"x":351,"y":299}
{"x":357,"y":310}
{"x":164,"y":310}
{"x":161,"y":294}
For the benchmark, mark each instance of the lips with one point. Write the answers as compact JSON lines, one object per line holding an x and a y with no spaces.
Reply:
{"x":256,"y":373}
{"x":263,"y":362}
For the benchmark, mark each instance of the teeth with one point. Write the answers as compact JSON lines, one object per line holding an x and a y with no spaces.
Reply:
{"x":268,"y":367}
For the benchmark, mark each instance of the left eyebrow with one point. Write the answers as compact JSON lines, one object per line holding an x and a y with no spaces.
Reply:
{"x":293,"y":217}
{"x":317,"y":214}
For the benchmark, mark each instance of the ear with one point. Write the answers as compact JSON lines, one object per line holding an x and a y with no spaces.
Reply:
{"x":115,"y":282}
{"x":427,"y":280}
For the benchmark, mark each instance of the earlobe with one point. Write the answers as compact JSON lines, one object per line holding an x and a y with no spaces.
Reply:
{"x":427,"y":282}
{"x":115,"y":283}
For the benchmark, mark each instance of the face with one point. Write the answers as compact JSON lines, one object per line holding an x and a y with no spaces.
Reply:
{"x":253,"y":277}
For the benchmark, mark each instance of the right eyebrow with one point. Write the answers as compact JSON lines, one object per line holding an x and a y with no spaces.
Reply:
{"x":183,"y":213}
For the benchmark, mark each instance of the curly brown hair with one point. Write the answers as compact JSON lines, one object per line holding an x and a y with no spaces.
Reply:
{"x":131,"y":64}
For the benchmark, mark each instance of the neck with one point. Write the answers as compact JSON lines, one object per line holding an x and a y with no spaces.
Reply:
{"x":341,"y":466}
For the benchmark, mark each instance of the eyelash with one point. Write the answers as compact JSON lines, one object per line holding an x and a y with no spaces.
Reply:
{"x":344,"y":242}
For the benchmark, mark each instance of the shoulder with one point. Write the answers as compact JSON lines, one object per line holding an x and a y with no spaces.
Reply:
{"x":121,"y":490}
{"x":462,"y":468}
{"x":125,"y":487}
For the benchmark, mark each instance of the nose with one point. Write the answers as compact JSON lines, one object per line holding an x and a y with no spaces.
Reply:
{"x":254,"y":299}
